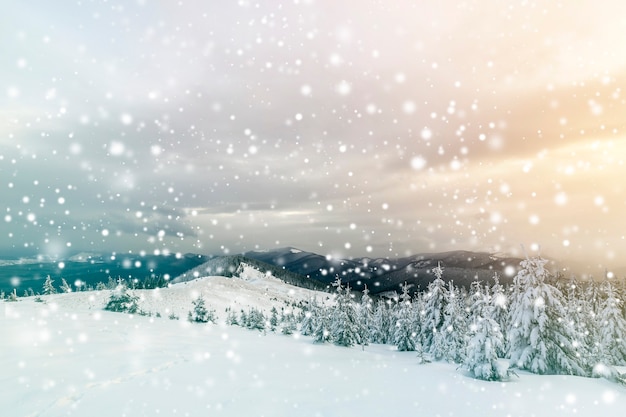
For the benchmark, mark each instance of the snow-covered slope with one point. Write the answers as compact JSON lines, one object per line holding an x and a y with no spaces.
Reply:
{"x":69,"y":357}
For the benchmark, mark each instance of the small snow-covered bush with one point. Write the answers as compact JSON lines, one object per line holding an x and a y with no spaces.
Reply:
{"x":200,"y":314}
{"x":122,"y":301}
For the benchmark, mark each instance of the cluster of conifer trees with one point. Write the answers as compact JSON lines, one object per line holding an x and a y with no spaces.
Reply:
{"x":540,"y":324}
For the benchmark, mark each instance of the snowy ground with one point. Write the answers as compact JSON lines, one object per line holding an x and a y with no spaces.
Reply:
{"x":68,"y":357}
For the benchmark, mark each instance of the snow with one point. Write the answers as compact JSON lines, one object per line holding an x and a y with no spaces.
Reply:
{"x":67,"y":356}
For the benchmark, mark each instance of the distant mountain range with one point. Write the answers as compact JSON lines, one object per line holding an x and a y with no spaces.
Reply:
{"x":384,"y":274}
{"x":297,"y":267}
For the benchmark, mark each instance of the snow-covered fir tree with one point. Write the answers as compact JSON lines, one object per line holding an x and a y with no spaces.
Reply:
{"x":255,"y":319}
{"x":322,"y":324}
{"x":540,"y":339}
{"x":365,"y":317}
{"x":404,"y":336}
{"x":582,"y":319}
{"x":344,"y":328}
{"x":454,"y":328}
{"x":432,"y":318}
{"x":122,"y":300}
{"x":382,"y":323}
{"x":65,"y":287}
{"x":485,"y":342}
{"x":310,"y":313}
{"x":611,"y":328}
{"x":199,"y":313}
{"x":48,"y":286}
{"x":273,"y":319}
{"x":287,"y":322}
{"x":231,"y":317}
{"x":499,"y":302}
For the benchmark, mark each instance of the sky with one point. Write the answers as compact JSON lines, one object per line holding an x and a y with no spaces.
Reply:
{"x":353,"y":128}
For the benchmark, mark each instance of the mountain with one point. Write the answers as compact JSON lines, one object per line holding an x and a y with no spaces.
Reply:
{"x":384,"y":275}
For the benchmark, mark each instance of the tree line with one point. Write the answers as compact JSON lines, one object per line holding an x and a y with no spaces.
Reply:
{"x":540,"y":324}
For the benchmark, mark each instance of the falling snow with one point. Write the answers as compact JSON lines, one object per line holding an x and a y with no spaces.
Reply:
{"x":377,"y":129}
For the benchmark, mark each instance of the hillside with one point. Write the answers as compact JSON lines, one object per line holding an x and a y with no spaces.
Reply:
{"x":66,"y":356}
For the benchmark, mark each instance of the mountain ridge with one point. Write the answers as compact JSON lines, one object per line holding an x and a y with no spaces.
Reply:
{"x":388,"y":274}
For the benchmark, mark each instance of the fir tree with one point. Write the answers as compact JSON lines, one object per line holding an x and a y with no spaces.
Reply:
{"x":381,"y":327}
{"x":65,"y":287}
{"x":122,"y":301}
{"x":500,"y":313}
{"x":307,"y":326}
{"x":288,"y":322}
{"x":612,"y":328}
{"x":454,"y":328}
{"x":404,"y":337}
{"x":321,"y":331}
{"x":231,"y":317}
{"x":200,"y":314}
{"x":273,"y":319}
{"x":344,"y":329}
{"x":256,"y":320}
{"x":365,"y":317}
{"x":540,"y":339}
{"x":432,"y":319}
{"x":48,"y":286}
{"x":579,"y":315}
{"x":485,"y":341}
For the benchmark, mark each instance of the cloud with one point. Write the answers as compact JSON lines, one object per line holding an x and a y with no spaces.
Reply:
{"x":392,"y":126}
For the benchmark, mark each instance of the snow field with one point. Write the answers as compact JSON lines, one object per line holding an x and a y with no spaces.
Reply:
{"x":69,"y":357}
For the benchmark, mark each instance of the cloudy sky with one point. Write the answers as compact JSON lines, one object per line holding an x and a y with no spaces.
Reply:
{"x":350,"y":128}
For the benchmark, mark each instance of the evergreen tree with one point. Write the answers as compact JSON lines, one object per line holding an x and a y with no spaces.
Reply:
{"x":231,"y":317}
{"x":344,"y":329}
{"x":485,"y":342}
{"x":404,"y":337}
{"x":365,"y":318}
{"x":273,"y":319}
{"x":579,"y":315}
{"x":243,"y":319}
{"x":312,"y":311}
{"x":417,"y":310}
{"x":321,"y":331}
{"x":256,"y":320}
{"x":65,"y":287}
{"x":500,"y":313}
{"x":432,"y":319}
{"x":200,"y":314}
{"x":122,"y":301}
{"x":288,"y":322}
{"x":612,"y":328}
{"x":381,"y":327}
{"x":454,"y":328}
{"x":540,"y":339}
